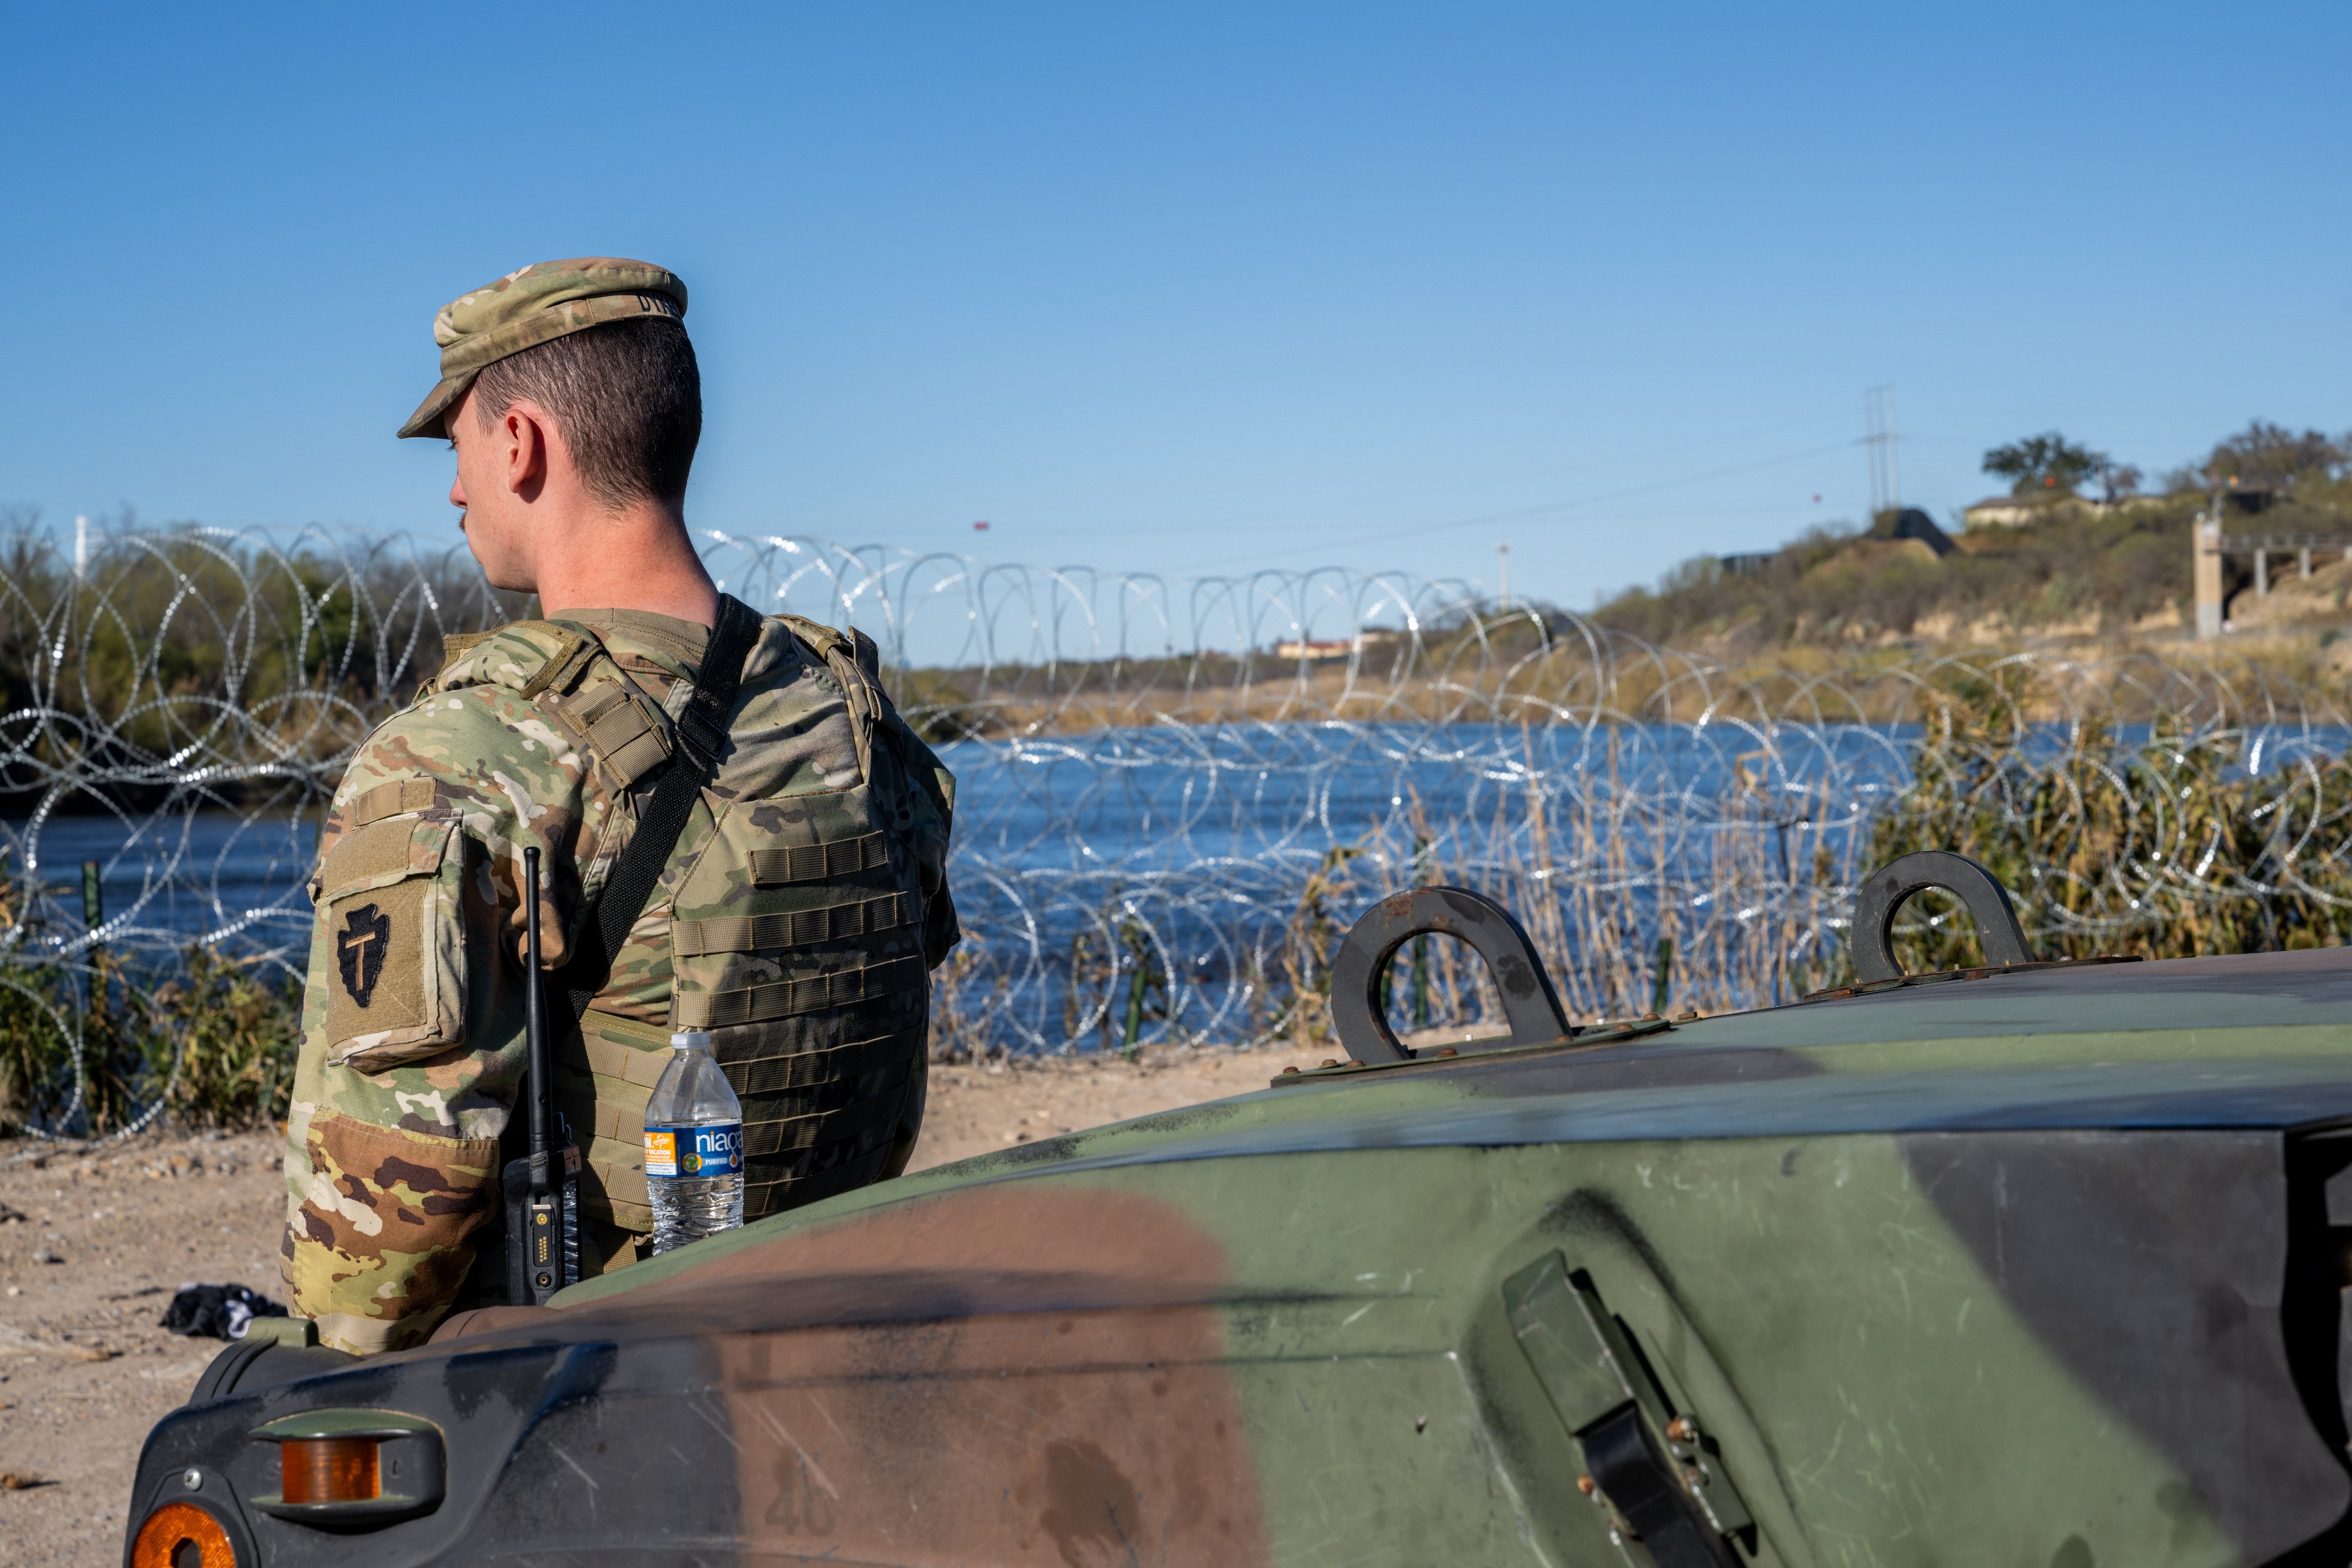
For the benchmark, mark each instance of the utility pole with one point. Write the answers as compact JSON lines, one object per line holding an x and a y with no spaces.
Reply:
{"x":1503,"y":554}
{"x":1886,"y":460}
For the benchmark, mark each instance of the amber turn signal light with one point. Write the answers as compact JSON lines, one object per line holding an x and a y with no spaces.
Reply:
{"x":181,"y":1535}
{"x":356,"y":1468}
{"x":328,"y":1469}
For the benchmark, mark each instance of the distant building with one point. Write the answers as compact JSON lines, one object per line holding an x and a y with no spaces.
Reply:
{"x":1747,"y":562}
{"x":2005,"y":511}
{"x":1912,"y":523}
{"x":2020,"y":511}
{"x":1315,"y":651}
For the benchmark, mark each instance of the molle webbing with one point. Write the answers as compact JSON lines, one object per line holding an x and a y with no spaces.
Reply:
{"x":616,"y":1132}
{"x":818,"y":862}
{"x":761,"y":1198}
{"x":573,"y":651}
{"x":620,"y":731}
{"x":796,"y":928}
{"x":624,"y":1197}
{"x":392,"y":799}
{"x":790,"y":998}
{"x":630,"y":1064}
{"x":792,"y":1134}
{"x":774,"y":1171}
{"x":843,"y":1068}
{"x":624,"y":1202}
{"x":809,"y":1107}
{"x":804,"y":1070}
{"x":782,"y":1149}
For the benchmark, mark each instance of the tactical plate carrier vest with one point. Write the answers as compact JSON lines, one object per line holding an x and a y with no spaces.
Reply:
{"x":796,"y":920}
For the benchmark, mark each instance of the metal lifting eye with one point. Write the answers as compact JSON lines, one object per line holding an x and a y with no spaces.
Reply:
{"x":1883,"y":896}
{"x":1529,"y":1004}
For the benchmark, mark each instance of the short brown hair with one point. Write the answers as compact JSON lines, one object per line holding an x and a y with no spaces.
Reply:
{"x":628,"y":396}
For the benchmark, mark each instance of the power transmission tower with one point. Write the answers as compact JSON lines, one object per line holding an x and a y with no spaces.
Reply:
{"x":1885,"y":442}
{"x":1503,"y":554}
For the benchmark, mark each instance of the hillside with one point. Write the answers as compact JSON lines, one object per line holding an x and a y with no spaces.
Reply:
{"x":2113,"y":575}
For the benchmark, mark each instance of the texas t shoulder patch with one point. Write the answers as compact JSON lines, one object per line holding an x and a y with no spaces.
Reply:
{"x":360,"y":949}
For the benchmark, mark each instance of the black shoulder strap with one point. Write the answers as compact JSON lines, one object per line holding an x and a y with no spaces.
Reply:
{"x":701,"y":730}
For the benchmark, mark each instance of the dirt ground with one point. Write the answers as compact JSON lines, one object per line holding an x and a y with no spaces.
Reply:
{"x":93,"y":1244}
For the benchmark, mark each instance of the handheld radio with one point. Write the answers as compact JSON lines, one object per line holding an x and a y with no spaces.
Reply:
{"x":543,"y":1190}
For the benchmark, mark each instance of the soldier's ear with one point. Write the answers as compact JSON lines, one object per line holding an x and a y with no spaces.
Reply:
{"x":530,"y":446}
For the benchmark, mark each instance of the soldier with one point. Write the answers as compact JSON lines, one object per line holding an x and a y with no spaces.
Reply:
{"x":795,"y":913}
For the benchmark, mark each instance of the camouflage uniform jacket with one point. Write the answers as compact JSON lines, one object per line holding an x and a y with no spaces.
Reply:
{"x":796,"y":918}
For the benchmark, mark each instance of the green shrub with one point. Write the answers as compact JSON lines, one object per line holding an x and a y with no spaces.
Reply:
{"x":2167,"y":848}
{"x":216,"y":1041}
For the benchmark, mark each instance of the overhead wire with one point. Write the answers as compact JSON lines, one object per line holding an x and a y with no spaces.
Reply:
{"x":1515,"y":514}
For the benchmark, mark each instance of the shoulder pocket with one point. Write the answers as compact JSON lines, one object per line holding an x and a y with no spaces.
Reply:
{"x":395,"y":932}
{"x":619,"y":727}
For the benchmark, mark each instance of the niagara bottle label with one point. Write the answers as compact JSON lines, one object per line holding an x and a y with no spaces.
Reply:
{"x":696,"y":1152}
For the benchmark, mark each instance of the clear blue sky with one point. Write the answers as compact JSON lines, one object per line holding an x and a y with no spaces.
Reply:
{"x":1189,"y":289}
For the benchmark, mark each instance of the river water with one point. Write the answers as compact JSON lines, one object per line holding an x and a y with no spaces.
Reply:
{"x":1203,"y":838}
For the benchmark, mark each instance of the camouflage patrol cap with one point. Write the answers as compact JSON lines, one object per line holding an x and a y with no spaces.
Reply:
{"x":525,"y":309}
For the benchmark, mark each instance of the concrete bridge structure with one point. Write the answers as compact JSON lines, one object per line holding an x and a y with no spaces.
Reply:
{"x":2214,"y":548}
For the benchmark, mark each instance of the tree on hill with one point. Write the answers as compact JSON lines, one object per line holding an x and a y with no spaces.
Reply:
{"x":2270,"y":456}
{"x":2048,"y":463}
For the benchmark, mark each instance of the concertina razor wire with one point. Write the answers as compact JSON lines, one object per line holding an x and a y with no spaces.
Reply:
{"x":1175,"y":794}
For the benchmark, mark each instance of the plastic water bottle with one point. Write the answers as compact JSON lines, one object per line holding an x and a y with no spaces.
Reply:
{"x":694,"y":1147}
